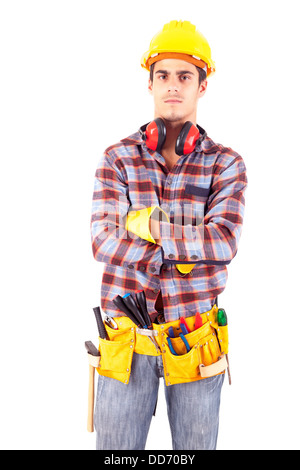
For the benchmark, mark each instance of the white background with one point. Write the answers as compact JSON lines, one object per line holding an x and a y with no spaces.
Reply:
{"x":70,"y":85}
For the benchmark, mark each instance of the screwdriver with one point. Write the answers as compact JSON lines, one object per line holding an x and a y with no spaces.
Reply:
{"x":198,"y":321}
{"x":222,"y":321}
{"x":131,"y":305}
{"x":133,"y":313}
{"x":119,"y":302}
{"x":141,"y":300}
{"x":222,"y":317}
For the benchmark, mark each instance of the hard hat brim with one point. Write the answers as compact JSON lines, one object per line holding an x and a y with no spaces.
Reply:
{"x":200,"y":62}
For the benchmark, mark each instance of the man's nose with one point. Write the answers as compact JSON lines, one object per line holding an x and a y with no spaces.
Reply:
{"x":173,"y":85}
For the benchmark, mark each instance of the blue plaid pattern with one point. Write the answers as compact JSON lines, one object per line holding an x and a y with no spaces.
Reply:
{"x":203,"y":195}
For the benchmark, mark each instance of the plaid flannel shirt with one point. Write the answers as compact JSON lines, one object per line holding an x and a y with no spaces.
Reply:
{"x":203,"y":195}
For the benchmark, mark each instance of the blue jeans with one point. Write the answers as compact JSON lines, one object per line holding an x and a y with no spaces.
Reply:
{"x":123,"y":413}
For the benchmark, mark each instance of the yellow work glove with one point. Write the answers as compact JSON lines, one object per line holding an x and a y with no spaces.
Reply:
{"x":185,"y":268}
{"x":137,"y":222}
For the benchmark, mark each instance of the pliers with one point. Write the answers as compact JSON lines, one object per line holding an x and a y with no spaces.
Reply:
{"x":184,"y":331}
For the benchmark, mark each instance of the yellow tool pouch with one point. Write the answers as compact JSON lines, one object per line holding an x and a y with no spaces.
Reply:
{"x":116,"y":353}
{"x":206,"y":356}
{"x":222,"y":332}
{"x":208,"y":346}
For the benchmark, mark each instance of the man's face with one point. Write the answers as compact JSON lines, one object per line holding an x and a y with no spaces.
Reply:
{"x":176,"y":90}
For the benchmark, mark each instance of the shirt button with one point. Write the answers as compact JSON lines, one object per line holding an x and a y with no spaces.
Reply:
{"x":142,"y":268}
{"x":130,"y":266}
{"x":182,"y":257}
{"x":194,"y":257}
{"x":156,"y":291}
{"x":153,"y":269}
{"x":171,"y":256}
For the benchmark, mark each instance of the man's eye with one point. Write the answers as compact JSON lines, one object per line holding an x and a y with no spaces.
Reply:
{"x":185,"y":77}
{"x":162,"y":77}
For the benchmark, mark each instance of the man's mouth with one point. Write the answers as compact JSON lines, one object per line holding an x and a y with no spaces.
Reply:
{"x":173,"y":100}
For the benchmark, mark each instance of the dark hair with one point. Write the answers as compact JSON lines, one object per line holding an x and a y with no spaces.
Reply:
{"x":202,"y":73}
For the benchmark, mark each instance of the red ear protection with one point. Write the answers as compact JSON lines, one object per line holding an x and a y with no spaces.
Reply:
{"x":154,"y":135}
{"x":187,"y":139}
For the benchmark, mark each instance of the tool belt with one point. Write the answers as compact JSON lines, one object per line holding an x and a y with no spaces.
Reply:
{"x":208,"y":347}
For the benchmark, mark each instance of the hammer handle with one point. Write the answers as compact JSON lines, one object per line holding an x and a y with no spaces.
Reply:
{"x":90,"y":423}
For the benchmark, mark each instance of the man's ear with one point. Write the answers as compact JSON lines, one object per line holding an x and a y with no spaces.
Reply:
{"x":202,"y":88}
{"x":150,"y":86}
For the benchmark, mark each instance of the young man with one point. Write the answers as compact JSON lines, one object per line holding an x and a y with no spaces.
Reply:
{"x":167,"y":216}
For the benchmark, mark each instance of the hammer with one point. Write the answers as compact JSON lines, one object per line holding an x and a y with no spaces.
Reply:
{"x":94,"y":357}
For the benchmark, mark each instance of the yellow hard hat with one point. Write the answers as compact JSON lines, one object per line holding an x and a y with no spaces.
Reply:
{"x":179,"y":39}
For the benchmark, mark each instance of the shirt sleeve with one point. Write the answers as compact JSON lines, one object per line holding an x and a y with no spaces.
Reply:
{"x":111,"y":242}
{"x":215,"y":240}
